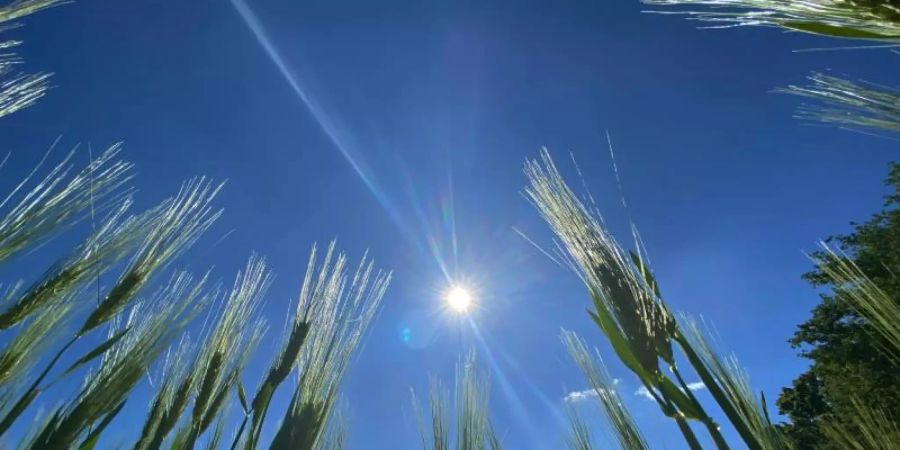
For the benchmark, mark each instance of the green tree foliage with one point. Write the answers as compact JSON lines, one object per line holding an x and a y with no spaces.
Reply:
{"x":849,"y":359}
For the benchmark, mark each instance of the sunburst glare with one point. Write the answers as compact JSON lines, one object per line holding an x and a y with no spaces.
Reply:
{"x":459,"y":299}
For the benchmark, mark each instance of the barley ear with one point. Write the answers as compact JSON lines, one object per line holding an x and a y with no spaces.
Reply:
{"x":436,"y":435}
{"x":57,"y":200}
{"x":868,"y":429}
{"x":863,"y":296}
{"x":19,"y":90}
{"x":579,"y":437}
{"x":156,"y":322}
{"x":730,"y":387}
{"x":623,"y":426}
{"x":113,"y":240}
{"x":847,"y":103}
{"x":182,"y":220}
{"x":338,"y":308}
{"x":876,"y":20}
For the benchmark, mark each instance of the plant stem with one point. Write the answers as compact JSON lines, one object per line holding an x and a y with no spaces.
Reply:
{"x":688,"y":433}
{"x":240,"y":432}
{"x":666,"y":406}
{"x":711,"y":425}
{"x":710,"y":381}
{"x":259,"y":416}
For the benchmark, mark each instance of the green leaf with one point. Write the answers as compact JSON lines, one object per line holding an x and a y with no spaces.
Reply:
{"x":242,"y":396}
{"x":661,"y":341}
{"x":833,"y":30}
{"x":716,"y":391}
{"x":18,"y":408}
{"x":32,"y":392}
{"x":97,"y":351}
{"x":91,"y":440}
{"x":765,"y":408}
{"x":644,"y":359}
{"x":618,"y":342}
{"x":679,"y":398}
{"x":239,"y":434}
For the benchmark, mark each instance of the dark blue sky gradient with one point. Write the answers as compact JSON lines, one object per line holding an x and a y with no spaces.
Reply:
{"x":439,"y":104}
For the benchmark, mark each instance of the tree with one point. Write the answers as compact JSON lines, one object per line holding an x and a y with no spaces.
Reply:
{"x":847,"y":357}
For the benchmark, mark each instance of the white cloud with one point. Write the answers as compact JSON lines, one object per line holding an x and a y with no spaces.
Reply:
{"x":644,"y":393}
{"x":577,"y":396}
{"x":696,"y":386}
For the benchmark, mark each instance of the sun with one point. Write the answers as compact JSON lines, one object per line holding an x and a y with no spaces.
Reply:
{"x":459,"y":299}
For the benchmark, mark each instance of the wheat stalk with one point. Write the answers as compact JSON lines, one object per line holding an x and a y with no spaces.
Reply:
{"x":182,"y":220}
{"x":435,"y":437}
{"x":474,"y":430}
{"x":877,"y":20}
{"x":155,"y":323}
{"x":625,"y":430}
{"x":113,"y":240}
{"x":847,"y":103}
{"x":868,"y":429}
{"x":628,"y":309}
{"x":223,"y":355}
{"x":20,"y":8}
{"x":729,"y":385}
{"x":863,"y":295}
{"x":51,"y":205}
{"x":332,"y":315}
{"x":338,"y":310}
{"x":33,"y":339}
{"x":579,"y":437}
{"x":19,"y":90}
{"x":171,"y":399}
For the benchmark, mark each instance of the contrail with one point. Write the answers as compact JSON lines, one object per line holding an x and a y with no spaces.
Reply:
{"x":314,"y":108}
{"x":322,"y":118}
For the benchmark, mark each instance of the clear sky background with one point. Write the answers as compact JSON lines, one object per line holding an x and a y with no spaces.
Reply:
{"x":401,"y":128}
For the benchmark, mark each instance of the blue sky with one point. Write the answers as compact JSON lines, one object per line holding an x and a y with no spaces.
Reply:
{"x":408,"y":141}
